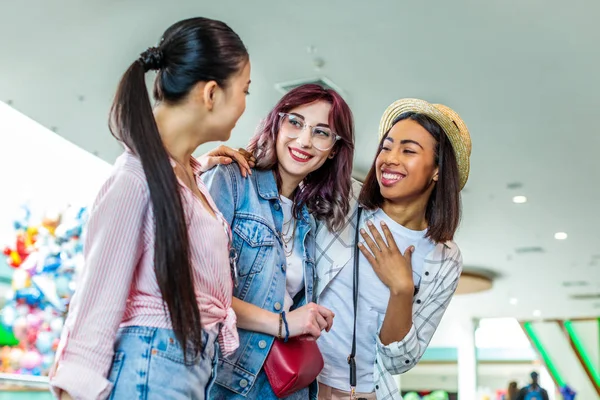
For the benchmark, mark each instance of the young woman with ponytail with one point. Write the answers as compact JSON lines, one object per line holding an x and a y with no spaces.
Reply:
{"x":154,"y":300}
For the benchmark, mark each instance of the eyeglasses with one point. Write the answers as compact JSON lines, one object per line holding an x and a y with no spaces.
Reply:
{"x":322,"y":137}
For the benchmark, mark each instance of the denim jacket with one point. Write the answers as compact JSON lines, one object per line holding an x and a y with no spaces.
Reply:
{"x":252,"y":207}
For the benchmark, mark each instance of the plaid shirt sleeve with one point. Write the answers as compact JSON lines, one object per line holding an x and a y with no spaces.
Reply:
{"x":399,"y":357}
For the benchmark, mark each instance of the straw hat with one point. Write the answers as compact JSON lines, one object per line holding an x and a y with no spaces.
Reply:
{"x":448,"y":119}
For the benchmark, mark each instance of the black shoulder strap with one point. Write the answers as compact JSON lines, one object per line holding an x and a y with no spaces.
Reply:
{"x":351,"y":357}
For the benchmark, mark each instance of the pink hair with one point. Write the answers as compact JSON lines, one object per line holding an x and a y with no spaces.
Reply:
{"x":326,"y":191}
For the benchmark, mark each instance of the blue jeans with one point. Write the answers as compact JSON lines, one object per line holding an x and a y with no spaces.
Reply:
{"x":149,"y":364}
{"x":260,"y":391}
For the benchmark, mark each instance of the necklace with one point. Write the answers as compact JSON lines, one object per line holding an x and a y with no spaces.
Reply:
{"x":287,"y":238}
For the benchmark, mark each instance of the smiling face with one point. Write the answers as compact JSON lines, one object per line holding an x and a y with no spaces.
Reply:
{"x":296,"y":151}
{"x":406,"y":164}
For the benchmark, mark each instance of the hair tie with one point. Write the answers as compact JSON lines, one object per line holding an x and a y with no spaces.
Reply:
{"x":152,"y":59}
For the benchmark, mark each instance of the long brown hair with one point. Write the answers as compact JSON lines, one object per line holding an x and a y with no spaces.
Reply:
{"x":444,"y":207}
{"x":191,"y":51}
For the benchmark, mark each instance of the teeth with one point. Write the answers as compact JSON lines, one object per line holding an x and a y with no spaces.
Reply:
{"x":391,"y":177}
{"x":299,"y":155}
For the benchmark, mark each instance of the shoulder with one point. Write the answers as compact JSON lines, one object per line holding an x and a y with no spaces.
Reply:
{"x":449,"y":257}
{"x":230,"y":171}
{"x":128,"y":171}
{"x":126,"y":186}
{"x":355,"y":189}
{"x":452,"y":249}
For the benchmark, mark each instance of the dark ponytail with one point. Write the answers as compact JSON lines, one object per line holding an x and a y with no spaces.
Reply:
{"x":190,"y":51}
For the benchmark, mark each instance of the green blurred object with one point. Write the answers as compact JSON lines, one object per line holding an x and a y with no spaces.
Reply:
{"x":6,"y":337}
{"x":25,"y":395}
{"x":437,"y":395}
{"x":412,"y":396}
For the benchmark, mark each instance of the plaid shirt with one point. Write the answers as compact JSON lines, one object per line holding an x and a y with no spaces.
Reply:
{"x":441,"y":271}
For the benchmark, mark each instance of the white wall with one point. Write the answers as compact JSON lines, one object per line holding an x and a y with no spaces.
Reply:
{"x":39,"y":166}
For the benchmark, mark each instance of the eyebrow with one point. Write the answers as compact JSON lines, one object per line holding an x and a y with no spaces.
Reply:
{"x":302,"y":116}
{"x":405,"y":141}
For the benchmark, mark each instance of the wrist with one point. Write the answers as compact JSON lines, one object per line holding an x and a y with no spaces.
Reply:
{"x":272,"y":324}
{"x":402,"y":293}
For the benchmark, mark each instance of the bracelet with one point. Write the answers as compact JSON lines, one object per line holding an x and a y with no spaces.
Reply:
{"x":287,"y":330}
{"x":280,"y":327}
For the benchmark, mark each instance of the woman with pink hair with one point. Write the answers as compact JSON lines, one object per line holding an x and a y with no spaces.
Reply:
{"x":304,"y":149}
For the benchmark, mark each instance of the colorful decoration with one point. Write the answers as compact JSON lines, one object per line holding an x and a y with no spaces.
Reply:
{"x":46,"y":258}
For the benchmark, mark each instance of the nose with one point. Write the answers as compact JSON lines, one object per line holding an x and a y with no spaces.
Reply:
{"x":304,"y":139}
{"x":391,"y":158}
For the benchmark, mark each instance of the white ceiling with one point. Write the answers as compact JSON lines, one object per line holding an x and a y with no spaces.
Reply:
{"x":523,"y":74}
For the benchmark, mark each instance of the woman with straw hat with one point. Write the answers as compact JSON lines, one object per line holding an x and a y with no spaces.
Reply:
{"x":389,"y":302}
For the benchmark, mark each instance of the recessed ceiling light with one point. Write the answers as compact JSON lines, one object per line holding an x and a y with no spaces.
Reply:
{"x":514,"y":301}
{"x":519,"y":199}
{"x":560,"y":236}
{"x":537,"y":313}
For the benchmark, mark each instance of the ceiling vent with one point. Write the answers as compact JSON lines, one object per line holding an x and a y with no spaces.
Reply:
{"x":575,"y":283}
{"x":586,"y":296}
{"x":285,"y":87}
{"x":529,"y":250}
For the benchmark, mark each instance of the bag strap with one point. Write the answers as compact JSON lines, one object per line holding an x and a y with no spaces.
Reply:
{"x":351,"y":357}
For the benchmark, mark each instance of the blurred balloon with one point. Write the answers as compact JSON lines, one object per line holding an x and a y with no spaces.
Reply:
{"x":46,"y":255}
{"x":31,"y":360}
{"x":34,"y":321}
{"x":44,"y":342}
{"x":9,"y":314}
{"x":47,"y":361}
{"x":20,"y":328}
{"x":21,"y":279}
{"x":56,"y":325}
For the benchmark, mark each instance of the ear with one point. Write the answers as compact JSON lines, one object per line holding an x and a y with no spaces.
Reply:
{"x":209,"y":91}
{"x":436,"y":174}
{"x":332,"y":154}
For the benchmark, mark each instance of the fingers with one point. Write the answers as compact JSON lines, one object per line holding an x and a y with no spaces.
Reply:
{"x":370,"y":243}
{"x":368,"y":255}
{"x":241,"y":160}
{"x":377,"y":236}
{"x":325,"y":312}
{"x":323,"y":324}
{"x":408,"y":255}
{"x":313,"y":329}
{"x":391,"y":243}
{"x":327,"y":315}
{"x":248,"y":156}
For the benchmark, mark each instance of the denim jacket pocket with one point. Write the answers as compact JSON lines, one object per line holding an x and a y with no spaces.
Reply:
{"x":254,"y":242}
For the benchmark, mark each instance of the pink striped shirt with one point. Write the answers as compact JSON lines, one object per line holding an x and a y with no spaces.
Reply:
{"x":118,"y":285}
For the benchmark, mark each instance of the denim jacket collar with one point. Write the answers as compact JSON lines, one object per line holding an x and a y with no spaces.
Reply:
{"x":267,"y":189}
{"x":267,"y":186}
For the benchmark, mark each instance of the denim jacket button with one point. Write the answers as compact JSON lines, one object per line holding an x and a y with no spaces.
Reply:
{"x":262,"y":344}
{"x":243,"y":383}
{"x":276,"y":206}
{"x":283,"y":267}
{"x":277,"y":306}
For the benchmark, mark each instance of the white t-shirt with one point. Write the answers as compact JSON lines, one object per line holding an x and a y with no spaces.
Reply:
{"x":294,"y":273}
{"x":372,"y":305}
